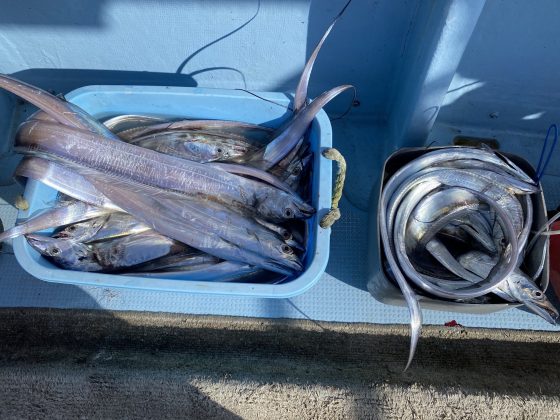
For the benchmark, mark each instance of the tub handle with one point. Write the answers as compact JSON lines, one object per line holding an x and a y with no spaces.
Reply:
{"x":334,"y":213}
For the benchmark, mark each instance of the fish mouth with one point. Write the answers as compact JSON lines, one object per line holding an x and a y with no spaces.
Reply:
{"x":61,"y":235}
{"x":287,"y":266}
{"x":297,"y":236}
{"x":37,"y":242}
{"x":238,"y":151}
{"x":544,"y":309}
{"x":306,"y":210}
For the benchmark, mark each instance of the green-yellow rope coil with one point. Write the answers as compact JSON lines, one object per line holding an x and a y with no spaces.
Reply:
{"x":334,"y":213}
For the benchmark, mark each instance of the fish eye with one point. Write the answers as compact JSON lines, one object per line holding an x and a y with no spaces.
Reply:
{"x":538,"y":294}
{"x":55,"y":250}
{"x":286,"y":249}
{"x":72,"y":228}
{"x":286,"y":235}
{"x":219,"y":150}
{"x":288,"y":212}
{"x":297,"y":170}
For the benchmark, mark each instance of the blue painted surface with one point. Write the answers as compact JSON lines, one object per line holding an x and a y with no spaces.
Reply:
{"x":63,"y":45}
{"x":507,"y":79}
{"x":441,"y":32}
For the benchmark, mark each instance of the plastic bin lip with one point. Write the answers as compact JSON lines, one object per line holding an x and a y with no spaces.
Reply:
{"x":105,"y":101}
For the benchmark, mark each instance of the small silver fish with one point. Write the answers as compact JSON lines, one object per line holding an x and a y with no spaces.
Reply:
{"x":108,"y":256}
{"x":53,"y":217}
{"x":130,"y":251}
{"x":114,"y":225}
{"x":197,"y":146}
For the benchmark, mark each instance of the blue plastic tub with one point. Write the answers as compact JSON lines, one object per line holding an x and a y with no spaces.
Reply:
{"x":107,"y":101}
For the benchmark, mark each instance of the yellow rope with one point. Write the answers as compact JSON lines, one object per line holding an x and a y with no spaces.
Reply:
{"x":334,"y":214}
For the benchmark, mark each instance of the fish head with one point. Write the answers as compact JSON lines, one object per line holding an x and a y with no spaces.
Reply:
{"x":214,"y":150}
{"x":82,"y":231}
{"x":49,"y":247}
{"x":543,"y":308}
{"x":298,"y":209}
{"x":203,"y":151}
{"x":294,"y":173}
{"x":534,"y":299}
{"x":290,"y":263}
{"x":66,"y":253}
{"x":278,"y":205}
{"x":287,"y":254}
{"x":230,"y":152}
{"x":235,"y":150}
{"x":297,"y":166}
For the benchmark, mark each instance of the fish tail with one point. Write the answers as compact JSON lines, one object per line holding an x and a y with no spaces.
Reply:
{"x":287,"y":139}
{"x":415,"y":328}
{"x":301,"y":90}
{"x":38,"y":97}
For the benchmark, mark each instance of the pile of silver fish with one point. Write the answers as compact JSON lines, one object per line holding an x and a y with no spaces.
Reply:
{"x":455,"y":225}
{"x":217,"y":200}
